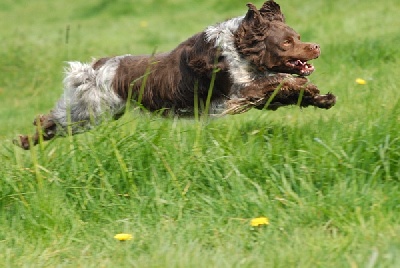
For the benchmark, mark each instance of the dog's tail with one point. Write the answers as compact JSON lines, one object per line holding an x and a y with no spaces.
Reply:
{"x":79,"y":98}
{"x":88,"y":95}
{"x":78,"y":74}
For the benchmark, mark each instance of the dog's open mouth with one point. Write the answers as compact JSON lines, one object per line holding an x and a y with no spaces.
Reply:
{"x":300,"y":67}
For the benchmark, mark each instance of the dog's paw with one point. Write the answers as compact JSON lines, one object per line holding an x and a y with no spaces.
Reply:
{"x":40,"y":118}
{"x":325,"y":101}
{"x":22,"y":141}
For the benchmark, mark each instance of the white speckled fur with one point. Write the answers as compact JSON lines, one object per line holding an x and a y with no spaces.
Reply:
{"x":222,"y":34}
{"x":88,"y":95}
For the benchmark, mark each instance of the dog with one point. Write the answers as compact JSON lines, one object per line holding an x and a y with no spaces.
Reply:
{"x":252,"y":61}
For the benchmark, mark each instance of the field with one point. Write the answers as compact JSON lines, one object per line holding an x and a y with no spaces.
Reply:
{"x":186,"y":189}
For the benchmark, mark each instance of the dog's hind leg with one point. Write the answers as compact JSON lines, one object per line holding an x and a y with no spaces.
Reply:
{"x":45,"y":129}
{"x":88,"y":99}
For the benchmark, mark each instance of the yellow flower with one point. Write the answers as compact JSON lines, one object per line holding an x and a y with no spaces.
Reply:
{"x":259,"y":221}
{"x":143,"y":24}
{"x":361,"y":81}
{"x":123,"y":237}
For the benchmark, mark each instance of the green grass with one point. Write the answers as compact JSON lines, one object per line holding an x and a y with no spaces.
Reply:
{"x":328,"y":180}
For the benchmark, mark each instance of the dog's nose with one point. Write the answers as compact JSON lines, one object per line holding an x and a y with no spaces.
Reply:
{"x":315,"y":47}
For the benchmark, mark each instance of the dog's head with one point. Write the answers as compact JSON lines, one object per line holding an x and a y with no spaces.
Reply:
{"x":268,"y":43}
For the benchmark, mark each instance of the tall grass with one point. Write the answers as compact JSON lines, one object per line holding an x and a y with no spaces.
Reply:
{"x":186,"y":189}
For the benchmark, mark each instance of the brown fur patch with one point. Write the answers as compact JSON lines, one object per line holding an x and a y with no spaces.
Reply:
{"x":171,"y":77}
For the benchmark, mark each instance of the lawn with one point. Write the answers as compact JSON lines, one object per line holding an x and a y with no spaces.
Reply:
{"x":186,"y":190}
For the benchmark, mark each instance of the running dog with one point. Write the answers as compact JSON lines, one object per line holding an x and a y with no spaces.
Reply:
{"x":252,"y":61}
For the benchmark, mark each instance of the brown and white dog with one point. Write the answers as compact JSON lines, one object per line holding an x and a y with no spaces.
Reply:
{"x":251,"y":61}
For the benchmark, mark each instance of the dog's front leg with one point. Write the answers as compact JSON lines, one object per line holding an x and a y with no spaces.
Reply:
{"x":283,"y":90}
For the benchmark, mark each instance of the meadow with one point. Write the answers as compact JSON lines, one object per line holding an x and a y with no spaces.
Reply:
{"x":186,"y":189}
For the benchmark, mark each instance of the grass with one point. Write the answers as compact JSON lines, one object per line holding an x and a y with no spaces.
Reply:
{"x":327,"y":180}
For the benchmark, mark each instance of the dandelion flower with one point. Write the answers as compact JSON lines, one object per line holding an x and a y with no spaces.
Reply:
{"x":361,"y":81}
{"x":259,"y":221}
{"x":143,"y":24}
{"x":123,"y":237}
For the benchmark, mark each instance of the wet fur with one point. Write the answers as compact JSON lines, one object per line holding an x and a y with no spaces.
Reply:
{"x":243,"y":57}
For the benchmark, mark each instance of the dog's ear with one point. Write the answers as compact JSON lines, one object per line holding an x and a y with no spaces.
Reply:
{"x":250,"y":36}
{"x":272,"y":11}
{"x":253,"y":15}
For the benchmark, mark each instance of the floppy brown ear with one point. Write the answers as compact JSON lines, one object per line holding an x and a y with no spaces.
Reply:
{"x":272,"y":11}
{"x":250,"y":37}
{"x":253,"y":14}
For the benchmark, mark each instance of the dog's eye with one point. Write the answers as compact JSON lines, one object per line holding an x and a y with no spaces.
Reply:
{"x":287,"y":42}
